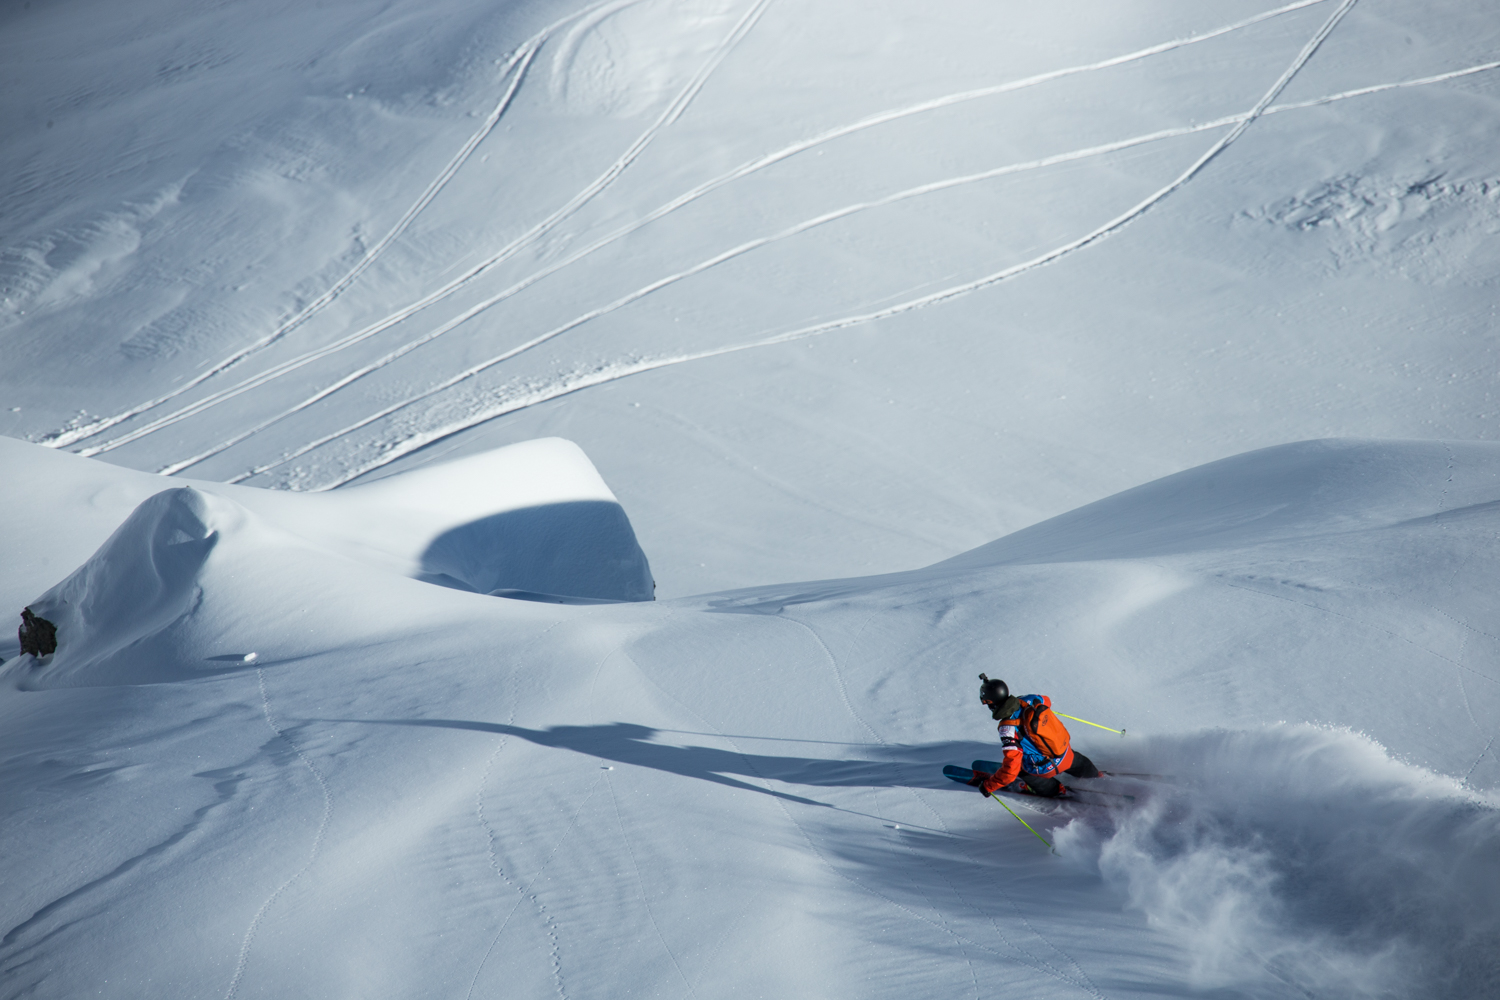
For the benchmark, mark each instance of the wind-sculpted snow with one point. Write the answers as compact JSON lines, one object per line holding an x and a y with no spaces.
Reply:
{"x":160,"y":600}
{"x":742,"y":791}
{"x":142,"y":581}
{"x":1311,"y":488}
{"x":847,"y":294}
{"x":1305,"y":861}
{"x":534,"y":517}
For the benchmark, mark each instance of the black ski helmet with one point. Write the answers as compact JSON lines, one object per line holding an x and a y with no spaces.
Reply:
{"x":992,"y":691}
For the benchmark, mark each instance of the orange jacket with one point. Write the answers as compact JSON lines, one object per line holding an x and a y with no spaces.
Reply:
{"x":1014,"y":758}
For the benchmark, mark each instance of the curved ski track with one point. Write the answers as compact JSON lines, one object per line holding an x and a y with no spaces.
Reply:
{"x":599,"y":375}
{"x":797,"y":229}
{"x":523,"y":56}
{"x":668,"y":116}
{"x":528,"y":51}
{"x":312,"y":855}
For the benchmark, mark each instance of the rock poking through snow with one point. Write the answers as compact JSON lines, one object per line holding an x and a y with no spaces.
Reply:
{"x":38,"y":636}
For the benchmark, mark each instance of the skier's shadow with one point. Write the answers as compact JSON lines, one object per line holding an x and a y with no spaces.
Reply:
{"x":627,"y":743}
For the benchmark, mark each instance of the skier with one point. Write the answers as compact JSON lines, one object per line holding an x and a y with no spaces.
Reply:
{"x":1036,"y":745}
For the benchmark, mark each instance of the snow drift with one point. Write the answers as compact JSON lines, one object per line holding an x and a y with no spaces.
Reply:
{"x":535,"y":517}
{"x":161,"y":598}
{"x":143,"y":579}
{"x":164,"y":598}
{"x":1276,"y":494}
{"x":550,"y":524}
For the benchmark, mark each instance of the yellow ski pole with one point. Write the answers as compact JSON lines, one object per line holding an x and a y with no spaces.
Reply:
{"x":1024,"y":823}
{"x":1086,"y":722}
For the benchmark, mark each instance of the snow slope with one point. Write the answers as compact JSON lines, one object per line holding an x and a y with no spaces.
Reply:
{"x":434,"y":793}
{"x":301,"y":244}
{"x":822,"y":291}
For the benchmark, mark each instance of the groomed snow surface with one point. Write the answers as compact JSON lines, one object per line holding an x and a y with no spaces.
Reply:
{"x":341,"y":339}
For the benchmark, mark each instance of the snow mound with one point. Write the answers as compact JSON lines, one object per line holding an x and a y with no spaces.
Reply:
{"x":141,"y":581}
{"x":1274,"y":494}
{"x":192,"y":580}
{"x":1304,"y":860}
{"x":535,"y":516}
{"x":135,"y":611}
{"x":194,"y":585}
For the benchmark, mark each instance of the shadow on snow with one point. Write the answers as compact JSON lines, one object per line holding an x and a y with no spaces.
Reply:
{"x":628,"y":743}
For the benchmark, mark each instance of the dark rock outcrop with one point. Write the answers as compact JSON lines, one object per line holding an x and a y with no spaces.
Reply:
{"x":38,"y":635}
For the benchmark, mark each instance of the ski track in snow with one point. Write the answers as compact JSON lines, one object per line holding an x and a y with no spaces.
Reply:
{"x":1087,"y":984}
{"x":1464,"y":691}
{"x":672,"y":112}
{"x":682,"y":200}
{"x":276,"y":371}
{"x":957,"y":937}
{"x":573,"y":383}
{"x":727,"y":255}
{"x":1481,"y":756}
{"x":491,"y":834}
{"x":620,"y":820}
{"x":523,"y":56}
{"x":244,"y":958}
{"x":489,"y":765}
{"x":640,"y":883}
{"x":838,"y":676}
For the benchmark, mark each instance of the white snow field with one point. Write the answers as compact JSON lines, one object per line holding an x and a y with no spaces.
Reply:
{"x":369,"y":367}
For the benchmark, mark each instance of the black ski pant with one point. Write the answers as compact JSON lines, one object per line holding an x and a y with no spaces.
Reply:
{"x":1082,"y":768}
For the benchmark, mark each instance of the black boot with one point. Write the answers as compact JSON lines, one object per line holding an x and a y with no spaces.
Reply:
{"x":1082,"y":767}
{"x":1047,"y":787}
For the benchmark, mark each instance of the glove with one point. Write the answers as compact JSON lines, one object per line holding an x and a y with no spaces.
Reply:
{"x":990,"y":784}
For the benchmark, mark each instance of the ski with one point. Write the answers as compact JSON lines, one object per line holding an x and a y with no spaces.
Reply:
{"x":962,"y":775}
{"x":965,"y":776}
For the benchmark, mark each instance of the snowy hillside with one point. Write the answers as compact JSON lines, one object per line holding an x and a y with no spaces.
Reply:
{"x":408,"y":790}
{"x":299,"y":242}
{"x":370,"y":367}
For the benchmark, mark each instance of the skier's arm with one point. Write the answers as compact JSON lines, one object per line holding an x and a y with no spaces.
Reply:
{"x":1010,"y":763}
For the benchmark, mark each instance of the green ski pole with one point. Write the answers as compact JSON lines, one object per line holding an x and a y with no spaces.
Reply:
{"x":1086,"y":722}
{"x":1024,"y":823}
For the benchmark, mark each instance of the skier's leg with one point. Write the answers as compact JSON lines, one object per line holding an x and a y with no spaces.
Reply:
{"x":1049,"y":787}
{"x":1082,"y":767}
